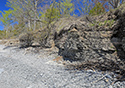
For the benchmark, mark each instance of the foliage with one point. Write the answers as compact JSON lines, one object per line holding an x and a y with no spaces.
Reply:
{"x":6,"y":17}
{"x":30,"y":15}
{"x":109,"y":4}
{"x":97,"y":9}
{"x":107,"y":23}
{"x":57,"y":10}
{"x":26,"y":12}
{"x":2,"y":34}
{"x":115,"y":3}
{"x":66,"y":7}
{"x":51,"y":14}
{"x":40,"y":37}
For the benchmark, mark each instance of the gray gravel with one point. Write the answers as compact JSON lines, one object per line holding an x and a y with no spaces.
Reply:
{"x":37,"y":70}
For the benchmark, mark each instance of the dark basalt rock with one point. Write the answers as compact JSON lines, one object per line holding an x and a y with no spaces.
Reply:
{"x":119,"y":35}
{"x":123,"y":43}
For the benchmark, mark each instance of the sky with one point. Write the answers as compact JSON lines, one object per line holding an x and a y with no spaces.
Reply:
{"x":2,"y":8}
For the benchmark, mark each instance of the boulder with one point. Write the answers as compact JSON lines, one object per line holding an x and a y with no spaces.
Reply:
{"x":118,"y":36}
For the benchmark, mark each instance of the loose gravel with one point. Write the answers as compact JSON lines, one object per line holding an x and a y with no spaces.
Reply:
{"x":37,"y":70}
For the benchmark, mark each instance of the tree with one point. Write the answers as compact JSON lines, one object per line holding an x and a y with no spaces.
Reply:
{"x":115,"y":3}
{"x":50,"y":17}
{"x":26,"y":12}
{"x":103,"y":2}
{"x":65,"y":7}
{"x":22,"y":11}
{"x":6,"y":19}
{"x":97,"y":9}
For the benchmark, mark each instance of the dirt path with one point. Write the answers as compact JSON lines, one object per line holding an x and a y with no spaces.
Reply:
{"x":33,"y":70}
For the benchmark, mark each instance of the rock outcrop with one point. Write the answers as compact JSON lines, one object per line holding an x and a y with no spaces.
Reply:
{"x":82,"y":41}
{"x":96,"y":42}
{"x":118,"y":36}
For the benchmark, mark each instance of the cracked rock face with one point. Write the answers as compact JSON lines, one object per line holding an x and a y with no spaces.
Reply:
{"x":73,"y":47}
{"x":85,"y":43}
{"x":123,"y":45}
{"x":119,"y":36}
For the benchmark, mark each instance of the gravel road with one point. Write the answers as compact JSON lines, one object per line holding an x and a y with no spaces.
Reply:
{"x":37,"y":70}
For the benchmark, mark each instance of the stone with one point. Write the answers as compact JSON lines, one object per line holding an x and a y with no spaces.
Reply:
{"x":35,"y":44}
{"x":123,"y":43}
{"x":82,"y":42}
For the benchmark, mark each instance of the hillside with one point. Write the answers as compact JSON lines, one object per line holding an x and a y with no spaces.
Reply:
{"x":89,"y":42}
{"x":96,"y":42}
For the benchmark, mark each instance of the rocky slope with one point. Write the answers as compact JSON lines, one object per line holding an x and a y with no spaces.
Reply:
{"x":94,"y":41}
{"x":97,"y":39}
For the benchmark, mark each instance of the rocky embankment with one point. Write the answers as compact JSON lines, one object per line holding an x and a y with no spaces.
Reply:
{"x":97,"y":41}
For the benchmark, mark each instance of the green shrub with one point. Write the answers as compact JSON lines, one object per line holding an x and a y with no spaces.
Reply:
{"x":97,"y":9}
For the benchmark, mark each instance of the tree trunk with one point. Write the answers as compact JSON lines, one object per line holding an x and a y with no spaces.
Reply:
{"x":35,"y":13}
{"x":29,"y":24}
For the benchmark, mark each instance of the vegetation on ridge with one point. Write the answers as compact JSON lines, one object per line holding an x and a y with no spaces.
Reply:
{"x":43,"y":15}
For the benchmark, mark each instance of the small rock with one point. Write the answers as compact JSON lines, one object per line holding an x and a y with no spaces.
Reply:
{"x":35,"y":44}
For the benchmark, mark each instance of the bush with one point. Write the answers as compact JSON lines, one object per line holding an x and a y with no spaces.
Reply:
{"x":2,"y":34}
{"x":26,"y":39}
{"x":43,"y":38}
{"x":97,"y":9}
{"x":40,"y":37}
